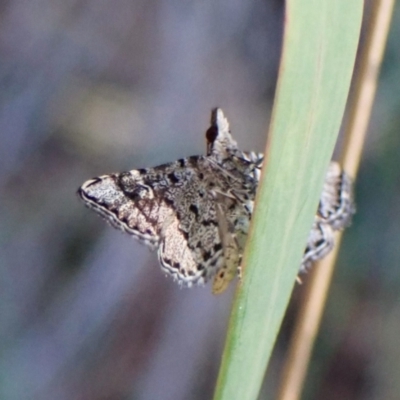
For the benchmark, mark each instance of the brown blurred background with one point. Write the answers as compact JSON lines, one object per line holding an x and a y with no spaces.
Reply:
{"x":92,"y":87}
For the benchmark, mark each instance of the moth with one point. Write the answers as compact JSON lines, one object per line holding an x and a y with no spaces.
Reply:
{"x":196,"y":211}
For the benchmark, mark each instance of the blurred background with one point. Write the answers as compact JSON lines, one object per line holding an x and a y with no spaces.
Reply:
{"x":92,"y":87}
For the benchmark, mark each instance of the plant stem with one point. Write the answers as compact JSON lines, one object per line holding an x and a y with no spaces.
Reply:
{"x":309,"y":317}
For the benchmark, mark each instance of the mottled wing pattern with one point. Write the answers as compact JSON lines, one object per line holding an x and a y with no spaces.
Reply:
{"x":319,"y":243}
{"x":196,"y":211}
{"x":336,"y":206}
{"x":168,"y":207}
{"x":132,"y":211}
{"x":335,"y":210}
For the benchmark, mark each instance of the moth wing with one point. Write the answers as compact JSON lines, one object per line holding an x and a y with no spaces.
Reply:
{"x":320,"y":242}
{"x":190,"y":257}
{"x":336,"y":206}
{"x":190,"y":242}
{"x":106,"y":196}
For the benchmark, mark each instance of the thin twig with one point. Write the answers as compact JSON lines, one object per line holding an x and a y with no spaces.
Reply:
{"x":360,"y":106}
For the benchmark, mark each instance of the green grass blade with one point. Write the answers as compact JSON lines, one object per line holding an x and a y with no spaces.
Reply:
{"x":320,"y":43}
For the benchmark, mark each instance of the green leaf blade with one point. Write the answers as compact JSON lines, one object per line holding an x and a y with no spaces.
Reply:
{"x":320,"y":44}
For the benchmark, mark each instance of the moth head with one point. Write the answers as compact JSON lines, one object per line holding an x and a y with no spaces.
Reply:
{"x":220,"y":143}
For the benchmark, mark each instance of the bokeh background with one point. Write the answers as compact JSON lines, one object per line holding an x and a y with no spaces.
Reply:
{"x":91,"y":87}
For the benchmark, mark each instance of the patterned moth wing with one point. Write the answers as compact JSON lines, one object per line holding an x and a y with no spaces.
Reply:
{"x":335,"y":210}
{"x":320,"y":242}
{"x":196,"y":211}
{"x":336,"y":206}
{"x":170,"y":209}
